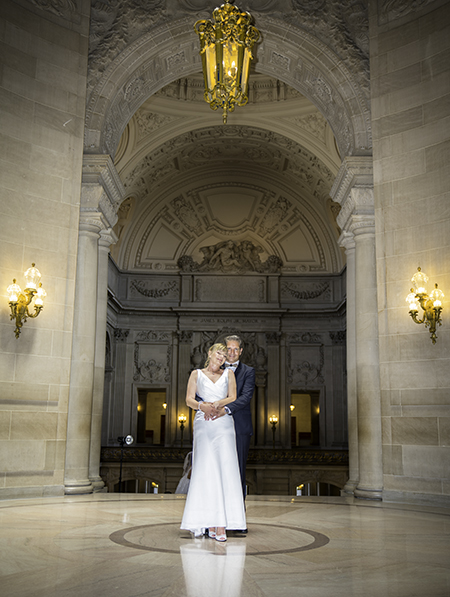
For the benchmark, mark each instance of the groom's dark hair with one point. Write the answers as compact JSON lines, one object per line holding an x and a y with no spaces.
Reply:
{"x":234,"y":338}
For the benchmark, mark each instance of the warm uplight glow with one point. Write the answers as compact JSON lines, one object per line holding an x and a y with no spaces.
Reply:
{"x":273,"y":419}
{"x":431,"y":305}
{"x":164,"y":405}
{"x":292,"y":407}
{"x":182,"y":418}
{"x":20,"y":300}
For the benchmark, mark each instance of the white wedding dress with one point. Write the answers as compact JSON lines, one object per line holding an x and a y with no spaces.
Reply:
{"x":215,"y":496}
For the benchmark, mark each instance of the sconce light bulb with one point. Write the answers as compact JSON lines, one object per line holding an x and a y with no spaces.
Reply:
{"x":13,"y":290}
{"x":32,"y":276}
{"x":420,"y":280}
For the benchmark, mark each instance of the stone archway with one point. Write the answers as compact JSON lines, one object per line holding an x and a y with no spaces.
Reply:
{"x":164,"y":55}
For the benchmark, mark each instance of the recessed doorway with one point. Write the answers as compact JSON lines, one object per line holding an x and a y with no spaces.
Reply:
{"x":151,"y":421}
{"x":305,"y":413}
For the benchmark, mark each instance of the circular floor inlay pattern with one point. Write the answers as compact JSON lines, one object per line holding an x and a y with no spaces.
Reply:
{"x":262,"y":539}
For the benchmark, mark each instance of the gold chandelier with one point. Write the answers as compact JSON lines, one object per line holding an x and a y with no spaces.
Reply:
{"x":226,"y":51}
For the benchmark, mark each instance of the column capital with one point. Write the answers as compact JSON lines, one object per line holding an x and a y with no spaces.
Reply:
{"x":99,"y":169}
{"x":102,"y":190}
{"x":347,"y":241}
{"x":107,"y":238}
{"x":355,"y":171}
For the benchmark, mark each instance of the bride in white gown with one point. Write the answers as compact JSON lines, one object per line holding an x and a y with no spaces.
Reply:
{"x":214,"y":500}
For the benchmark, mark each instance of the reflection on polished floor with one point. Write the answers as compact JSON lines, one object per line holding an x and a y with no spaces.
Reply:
{"x":131,"y":545}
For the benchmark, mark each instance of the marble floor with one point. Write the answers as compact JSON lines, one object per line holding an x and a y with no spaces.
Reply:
{"x":131,"y":545}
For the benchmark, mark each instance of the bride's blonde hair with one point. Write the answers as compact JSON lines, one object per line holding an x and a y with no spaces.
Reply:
{"x":215,"y":348}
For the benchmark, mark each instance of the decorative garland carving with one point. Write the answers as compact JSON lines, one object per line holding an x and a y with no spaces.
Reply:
{"x":165,"y":290}
{"x":306,"y":292}
{"x":231,"y":257}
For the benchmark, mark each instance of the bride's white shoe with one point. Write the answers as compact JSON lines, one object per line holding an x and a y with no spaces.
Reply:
{"x":222,"y":537}
{"x":211,"y":533}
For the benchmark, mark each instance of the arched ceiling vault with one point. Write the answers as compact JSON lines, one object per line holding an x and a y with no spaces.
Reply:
{"x":275,"y":161}
{"x":183,"y":171}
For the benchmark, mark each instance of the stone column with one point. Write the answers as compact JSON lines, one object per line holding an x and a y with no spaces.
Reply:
{"x":100,"y":191}
{"x":353,"y":189}
{"x":348,"y":242}
{"x":107,"y":238}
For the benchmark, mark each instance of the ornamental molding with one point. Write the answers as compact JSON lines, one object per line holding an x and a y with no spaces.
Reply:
{"x":152,"y":336}
{"x":304,"y":338}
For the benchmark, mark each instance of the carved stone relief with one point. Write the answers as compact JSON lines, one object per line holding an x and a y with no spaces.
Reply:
{"x":148,"y":365}
{"x":231,"y":257}
{"x":305,"y":365}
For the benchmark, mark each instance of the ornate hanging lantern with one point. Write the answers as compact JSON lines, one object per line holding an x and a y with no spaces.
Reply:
{"x":226,"y":51}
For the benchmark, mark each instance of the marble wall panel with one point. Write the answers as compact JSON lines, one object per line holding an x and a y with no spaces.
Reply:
{"x":41,"y":369}
{"x":439,"y":108}
{"x":392,"y":460}
{"x":23,"y":395}
{"x":399,"y":166}
{"x":415,"y":431}
{"x":412,"y":485}
{"x":398,"y":36}
{"x":22,"y":455}
{"x":5,"y":425}
{"x":413,"y":397}
{"x":426,"y":462}
{"x":418,"y":186}
{"x":34,"y":425}
{"x":444,"y":431}
{"x":29,"y":479}
{"x":406,"y":55}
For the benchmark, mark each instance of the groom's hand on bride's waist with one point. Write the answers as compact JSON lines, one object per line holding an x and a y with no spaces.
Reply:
{"x":208,"y":410}
{"x":219,"y":412}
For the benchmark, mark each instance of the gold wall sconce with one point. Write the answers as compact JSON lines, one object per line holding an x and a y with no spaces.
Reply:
{"x":19,"y":301}
{"x":182,"y":420}
{"x":226,"y":51}
{"x":431,"y":304}
{"x":273,"y":420}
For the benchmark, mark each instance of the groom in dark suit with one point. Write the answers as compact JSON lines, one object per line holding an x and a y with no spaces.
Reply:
{"x":240,"y":408}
